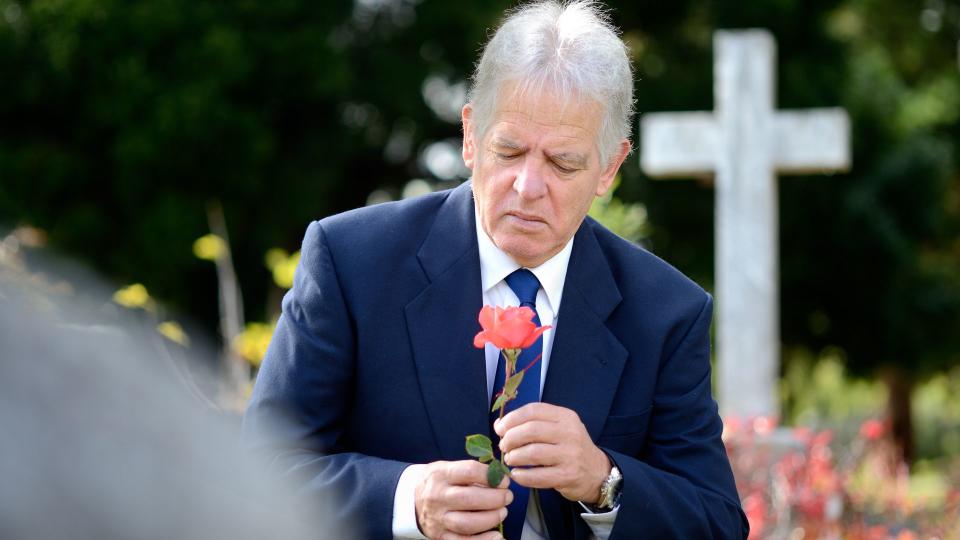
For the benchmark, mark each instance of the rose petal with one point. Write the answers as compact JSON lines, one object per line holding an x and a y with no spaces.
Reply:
{"x":522,"y":313}
{"x":514,"y":331}
{"x":487,"y":317}
{"x":532,"y":338}
{"x":499,"y":341}
{"x":507,"y":328}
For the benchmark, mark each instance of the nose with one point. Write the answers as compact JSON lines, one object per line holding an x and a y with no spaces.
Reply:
{"x":530,"y":182}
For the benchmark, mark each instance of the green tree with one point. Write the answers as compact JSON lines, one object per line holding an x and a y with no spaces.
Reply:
{"x":120,"y":120}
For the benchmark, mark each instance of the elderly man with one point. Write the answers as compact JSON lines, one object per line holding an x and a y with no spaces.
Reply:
{"x":371,"y":382}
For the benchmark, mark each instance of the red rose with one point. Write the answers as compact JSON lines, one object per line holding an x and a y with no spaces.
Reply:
{"x":510,"y":328}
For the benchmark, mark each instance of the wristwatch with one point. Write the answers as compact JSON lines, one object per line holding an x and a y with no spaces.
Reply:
{"x":610,"y":489}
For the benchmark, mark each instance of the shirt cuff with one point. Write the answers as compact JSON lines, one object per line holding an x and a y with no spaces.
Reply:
{"x":600,"y":523}
{"x":404,"y":506}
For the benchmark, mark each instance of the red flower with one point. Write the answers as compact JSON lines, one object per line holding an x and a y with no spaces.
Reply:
{"x":756,"y":510}
{"x":510,"y":328}
{"x":872,"y":429}
{"x":763,"y":425}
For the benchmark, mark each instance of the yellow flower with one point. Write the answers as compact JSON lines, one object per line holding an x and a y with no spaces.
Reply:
{"x":174,"y":332}
{"x":209,"y":247}
{"x":282,"y":266}
{"x":252,"y":343}
{"x":134,"y":296}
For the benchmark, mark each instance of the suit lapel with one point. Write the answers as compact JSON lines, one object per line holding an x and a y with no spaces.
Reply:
{"x":442,"y":321}
{"x":586,"y":360}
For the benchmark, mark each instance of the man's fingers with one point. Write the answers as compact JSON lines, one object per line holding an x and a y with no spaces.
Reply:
{"x":470,"y":523}
{"x":530,"y":411}
{"x":535,"y":454}
{"x":488,"y":535}
{"x":534,"y":431}
{"x":476,"y":498}
{"x":466,"y":472}
{"x":453,"y":500}
{"x":540,"y":477}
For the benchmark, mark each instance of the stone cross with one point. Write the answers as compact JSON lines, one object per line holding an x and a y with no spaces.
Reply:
{"x":745,"y":142}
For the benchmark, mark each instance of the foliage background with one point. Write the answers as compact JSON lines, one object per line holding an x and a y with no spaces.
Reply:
{"x":120,"y":122}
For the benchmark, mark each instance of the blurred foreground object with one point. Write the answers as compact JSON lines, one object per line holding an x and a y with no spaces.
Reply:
{"x":101,"y":440}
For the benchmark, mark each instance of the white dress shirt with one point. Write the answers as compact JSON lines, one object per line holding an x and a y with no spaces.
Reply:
{"x":495,"y":265}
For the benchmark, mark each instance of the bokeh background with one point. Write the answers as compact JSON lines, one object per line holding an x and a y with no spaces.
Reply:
{"x":179,"y":148}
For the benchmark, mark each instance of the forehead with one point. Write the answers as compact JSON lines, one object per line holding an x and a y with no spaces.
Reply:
{"x":528,"y":117}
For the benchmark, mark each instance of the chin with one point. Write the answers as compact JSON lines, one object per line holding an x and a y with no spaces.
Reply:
{"x":523,"y":252}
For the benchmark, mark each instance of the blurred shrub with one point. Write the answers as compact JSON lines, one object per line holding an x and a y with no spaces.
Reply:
{"x":937,"y":416}
{"x":813,"y":484}
{"x":628,"y":220}
{"x":818,"y":391}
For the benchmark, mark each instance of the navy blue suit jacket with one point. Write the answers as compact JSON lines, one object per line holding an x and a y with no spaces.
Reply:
{"x":372,"y":368}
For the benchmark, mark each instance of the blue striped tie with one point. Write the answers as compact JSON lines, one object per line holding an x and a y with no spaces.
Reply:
{"x":525,"y":285}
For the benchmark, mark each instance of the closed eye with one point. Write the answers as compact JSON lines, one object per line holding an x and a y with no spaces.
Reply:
{"x":564,"y":170}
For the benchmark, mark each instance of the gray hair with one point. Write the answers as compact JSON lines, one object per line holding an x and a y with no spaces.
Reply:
{"x":569,"y":48}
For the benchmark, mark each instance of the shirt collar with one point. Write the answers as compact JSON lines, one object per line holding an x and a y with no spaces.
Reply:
{"x":495,"y":265}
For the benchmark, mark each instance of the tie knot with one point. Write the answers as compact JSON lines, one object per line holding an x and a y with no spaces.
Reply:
{"x":525,"y":285}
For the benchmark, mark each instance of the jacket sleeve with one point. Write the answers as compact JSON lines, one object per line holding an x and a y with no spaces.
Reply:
{"x":681,"y":486}
{"x":297,"y":416}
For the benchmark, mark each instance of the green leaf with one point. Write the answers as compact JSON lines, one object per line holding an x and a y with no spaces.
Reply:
{"x":513,"y":383}
{"x":479,"y":446}
{"x":495,"y":473}
{"x":502,"y":399}
{"x":509,"y":391}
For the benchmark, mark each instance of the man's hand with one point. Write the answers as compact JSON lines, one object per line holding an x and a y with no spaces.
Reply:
{"x":555,"y":444}
{"x":453,"y":501}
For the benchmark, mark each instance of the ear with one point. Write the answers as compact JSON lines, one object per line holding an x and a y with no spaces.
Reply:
{"x":469,"y":150}
{"x":610,"y":173}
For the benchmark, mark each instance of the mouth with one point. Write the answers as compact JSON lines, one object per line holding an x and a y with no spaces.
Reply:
{"x":525,"y":222}
{"x":525,"y":217}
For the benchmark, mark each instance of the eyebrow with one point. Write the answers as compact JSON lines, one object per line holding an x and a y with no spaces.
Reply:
{"x":506,"y":143}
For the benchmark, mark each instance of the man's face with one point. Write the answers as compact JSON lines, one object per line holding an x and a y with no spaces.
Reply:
{"x":536,"y":172}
